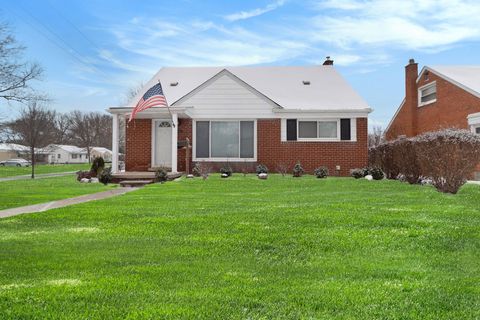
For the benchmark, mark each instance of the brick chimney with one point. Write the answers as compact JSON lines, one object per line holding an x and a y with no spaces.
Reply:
{"x":328,"y":62}
{"x":411,"y":97}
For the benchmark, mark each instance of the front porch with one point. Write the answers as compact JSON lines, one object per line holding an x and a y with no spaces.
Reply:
{"x":135,"y":177}
{"x":152,"y":140}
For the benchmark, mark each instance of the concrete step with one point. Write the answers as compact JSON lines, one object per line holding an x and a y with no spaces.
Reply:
{"x":135,"y":183}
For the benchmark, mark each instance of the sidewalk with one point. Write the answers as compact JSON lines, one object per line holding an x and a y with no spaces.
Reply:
{"x":38,"y":176}
{"x":64,"y":202}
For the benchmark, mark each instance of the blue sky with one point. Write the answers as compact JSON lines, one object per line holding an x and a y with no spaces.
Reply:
{"x":93,"y":51}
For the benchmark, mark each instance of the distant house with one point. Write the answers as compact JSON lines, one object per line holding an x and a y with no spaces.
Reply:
{"x":274,"y":115}
{"x":104,"y":153}
{"x":66,"y":154}
{"x":12,"y":150}
{"x":439,"y":97}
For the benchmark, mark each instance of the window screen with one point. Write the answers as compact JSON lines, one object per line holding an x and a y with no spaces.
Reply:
{"x":307,"y":129}
{"x":225,"y":139}
{"x":246,"y":139}
{"x":327,"y":129}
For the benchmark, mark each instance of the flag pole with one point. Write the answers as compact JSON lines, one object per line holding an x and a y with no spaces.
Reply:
{"x":168,"y":108}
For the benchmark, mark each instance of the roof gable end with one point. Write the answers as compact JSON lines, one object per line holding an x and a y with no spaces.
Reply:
{"x":470,"y":87}
{"x":225,"y":72}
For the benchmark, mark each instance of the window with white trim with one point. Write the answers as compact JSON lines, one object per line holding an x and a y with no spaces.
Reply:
{"x":477,"y":130}
{"x":427,"y":94}
{"x":74,"y":156}
{"x":230,"y":139}
{"x":321,"y":130}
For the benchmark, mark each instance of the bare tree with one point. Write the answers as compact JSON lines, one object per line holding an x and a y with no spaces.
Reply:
{"x":90,"y":129}
{"x":376,"y":137}
{"x":62,"y":129}
{"x":34,"y":128}
{"x":132,"y":93}
{"x":15,"y":75}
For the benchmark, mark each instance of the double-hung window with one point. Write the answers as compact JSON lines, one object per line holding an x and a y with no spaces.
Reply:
{"x":427,"y":94}
{"x":318,"y":130}
{"x":223,"y":140}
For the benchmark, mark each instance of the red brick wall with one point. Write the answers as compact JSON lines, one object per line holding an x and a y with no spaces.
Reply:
{"x":270,"y":150}
{"x":451,"y":109}
{"x":348,"y":155}
{"x":138,"y":145}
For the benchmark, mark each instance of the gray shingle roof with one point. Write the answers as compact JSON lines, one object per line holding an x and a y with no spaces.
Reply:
{"x":328,"y":90}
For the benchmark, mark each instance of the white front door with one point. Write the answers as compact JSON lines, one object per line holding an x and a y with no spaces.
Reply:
{"x":163,"y":143}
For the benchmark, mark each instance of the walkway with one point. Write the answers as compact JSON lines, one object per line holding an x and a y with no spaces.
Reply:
{"x":65,"y":202}
{"x":38,"y":176}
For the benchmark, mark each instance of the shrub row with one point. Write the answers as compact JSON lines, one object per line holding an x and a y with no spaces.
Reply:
{"x":201,"y":169}
{"x":447,"y":158}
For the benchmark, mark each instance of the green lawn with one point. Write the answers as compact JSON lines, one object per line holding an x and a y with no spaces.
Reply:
{"x":243,"y":248}
{"x":42,"y":168}
{"x":26,"y":192}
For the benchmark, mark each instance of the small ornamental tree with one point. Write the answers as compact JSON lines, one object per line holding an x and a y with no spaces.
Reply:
{"x":321,"y":172}
{"x":298,"y":170}
{"x":282,"y":168}
{"x":227,"y":170}
{"x":448,"y":157}
{"x":261,"y":168}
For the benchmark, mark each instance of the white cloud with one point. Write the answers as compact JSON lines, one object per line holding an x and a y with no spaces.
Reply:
{"x":242,"y":15}
{"x":409,"y":24}
{"x":203,"y":43}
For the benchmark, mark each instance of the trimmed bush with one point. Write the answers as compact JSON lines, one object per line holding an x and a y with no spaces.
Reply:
{"x":106,"y":176}
{"x":375,"y":172}
{"x":226,"y":169}
{"x":196,"y":170}
{"x":321,"y":172}
{"x":161,"y":175}
{"x":298,"y":170}
{"x":261,"y":168}
{"x":84,"y":175}
{"x":382,"y":156}
{"x":406,"y":160}
{"x":358,"y":173}
{"x":201,"y":169}
{"x":98,"y":164}
{"x":448,"y":157}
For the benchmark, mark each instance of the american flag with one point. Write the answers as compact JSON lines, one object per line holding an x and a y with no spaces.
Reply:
{"x":153,"y":97}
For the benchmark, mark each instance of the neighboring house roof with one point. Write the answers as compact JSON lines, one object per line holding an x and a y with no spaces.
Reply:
{"x":466,"y":77}
{"x":12,"y":147}
{"x":327,"y":89}
{"x":66,"y":148}
{"x":101,"y":150}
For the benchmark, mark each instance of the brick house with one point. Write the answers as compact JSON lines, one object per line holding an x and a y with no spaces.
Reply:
{"x":439,"y":97}
{"x":248,"y":115}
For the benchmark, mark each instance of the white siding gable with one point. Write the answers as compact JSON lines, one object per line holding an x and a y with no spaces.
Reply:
{"x":226,"y":97}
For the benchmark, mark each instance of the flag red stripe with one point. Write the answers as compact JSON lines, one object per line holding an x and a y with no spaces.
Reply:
{"x":151,"y":102}
{"x":158,"y":99}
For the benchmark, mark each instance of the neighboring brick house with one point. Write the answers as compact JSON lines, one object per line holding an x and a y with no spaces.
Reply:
{"x":249,"y":115}
{"x":439,"y":97}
